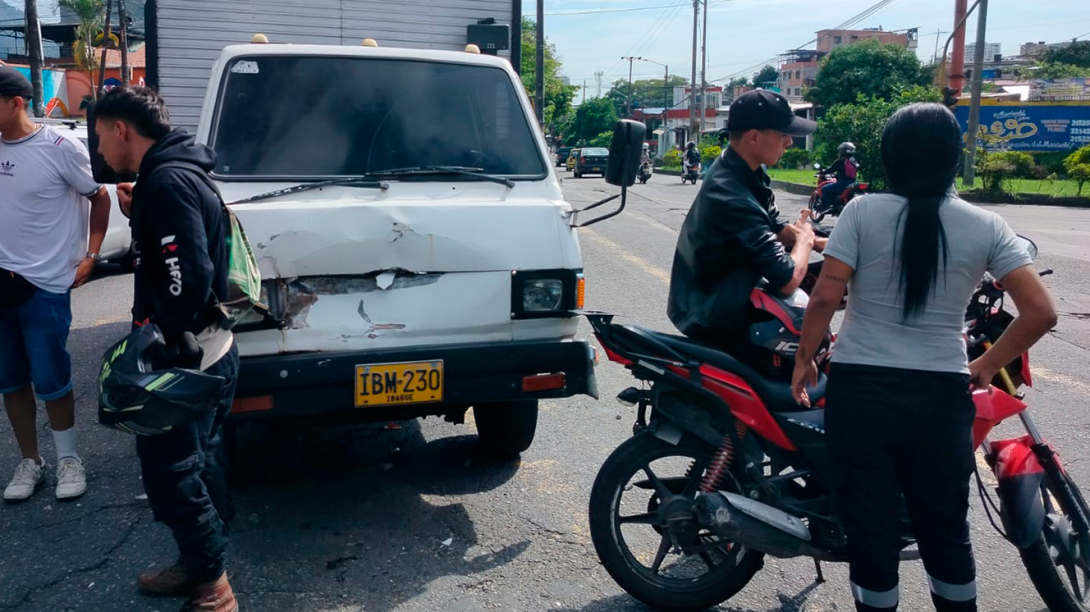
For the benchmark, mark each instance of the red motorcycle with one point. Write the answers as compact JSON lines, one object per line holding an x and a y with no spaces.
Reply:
{"x":817,"y":204}
{"x":724,"y":467}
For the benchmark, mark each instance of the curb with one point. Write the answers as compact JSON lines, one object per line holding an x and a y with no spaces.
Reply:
{"x":978,"y":197}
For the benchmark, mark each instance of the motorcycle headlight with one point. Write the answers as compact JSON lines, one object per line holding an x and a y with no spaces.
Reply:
{"x":542,"y":295}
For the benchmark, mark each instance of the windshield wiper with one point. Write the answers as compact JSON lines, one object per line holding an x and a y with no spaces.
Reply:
{"x":437,"y":170}
{"x":349,"y":181}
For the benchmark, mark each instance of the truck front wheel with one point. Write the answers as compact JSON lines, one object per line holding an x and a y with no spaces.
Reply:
{"x":506,"y":429}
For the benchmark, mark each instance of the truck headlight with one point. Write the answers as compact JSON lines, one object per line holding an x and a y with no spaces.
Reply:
{"x":542,"y":295}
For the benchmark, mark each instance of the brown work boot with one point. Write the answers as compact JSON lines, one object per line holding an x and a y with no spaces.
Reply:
{"x":169,"y":582}
{"x":212,"y":597}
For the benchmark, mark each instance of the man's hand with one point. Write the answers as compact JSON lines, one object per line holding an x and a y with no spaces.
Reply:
{"x":124,"y":198}
{"x":83,"y":271}
{"x":805,"y":374}
{"x":804,"y":232}
{"x":820,"y":244}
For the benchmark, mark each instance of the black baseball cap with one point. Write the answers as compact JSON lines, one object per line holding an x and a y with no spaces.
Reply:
{"x":766,"y":110}
{"x":13,"y":83}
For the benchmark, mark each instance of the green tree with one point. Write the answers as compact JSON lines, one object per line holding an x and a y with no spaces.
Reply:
{"x":646,"y":93}
{"x":1052,"y":70}
{"x":91,"y":14}
{"x":767,"y":76}
{"x":870,"y":69}
{"x":592,"y":118}
{"x":861,"y":123}
{"x":1078,"y":166}
{"x":1075,"y":54}
{"x":558,"y":96}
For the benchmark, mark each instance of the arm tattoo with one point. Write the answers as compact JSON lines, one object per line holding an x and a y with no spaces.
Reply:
{"x":836,"y":279}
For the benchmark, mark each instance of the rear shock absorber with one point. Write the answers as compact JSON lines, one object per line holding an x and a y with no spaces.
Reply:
{"x":720,"y":463}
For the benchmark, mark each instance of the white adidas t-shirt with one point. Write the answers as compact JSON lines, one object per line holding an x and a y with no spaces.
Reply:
{"x":45,"y":180}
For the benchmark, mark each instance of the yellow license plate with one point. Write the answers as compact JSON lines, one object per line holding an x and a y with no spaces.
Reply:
{"x":391,"y":384}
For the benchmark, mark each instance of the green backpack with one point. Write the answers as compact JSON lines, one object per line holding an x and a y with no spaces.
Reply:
{"x":243,"y":275}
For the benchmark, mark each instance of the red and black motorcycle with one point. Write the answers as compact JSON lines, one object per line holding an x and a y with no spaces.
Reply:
{"x":817,"y":205}
{"x":724,"y":467}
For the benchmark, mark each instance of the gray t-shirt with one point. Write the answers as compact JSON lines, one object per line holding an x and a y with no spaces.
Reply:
{"x":868,"y":236}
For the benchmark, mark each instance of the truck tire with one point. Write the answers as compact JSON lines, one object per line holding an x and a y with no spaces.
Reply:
{"x":506,"y":429}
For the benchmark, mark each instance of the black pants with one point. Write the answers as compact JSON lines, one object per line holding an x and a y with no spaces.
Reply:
{"x":909,"y":432}
{"x":185,"y":479}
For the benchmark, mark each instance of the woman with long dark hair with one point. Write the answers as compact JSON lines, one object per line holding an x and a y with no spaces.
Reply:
{"x":898,"y":407}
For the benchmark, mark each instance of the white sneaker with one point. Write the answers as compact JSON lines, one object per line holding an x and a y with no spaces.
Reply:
{"x":71,"y":479}
{"x":28,"y":475}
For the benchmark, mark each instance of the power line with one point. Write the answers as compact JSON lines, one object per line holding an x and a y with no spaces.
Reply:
{"x":617,"y":10}
{"x":866,"y":14}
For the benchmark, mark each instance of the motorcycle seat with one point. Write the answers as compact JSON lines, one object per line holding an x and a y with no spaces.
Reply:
{"x":776,"y":395}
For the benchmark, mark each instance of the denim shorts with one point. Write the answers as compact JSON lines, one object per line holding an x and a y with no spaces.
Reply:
{"x":33,"y":346}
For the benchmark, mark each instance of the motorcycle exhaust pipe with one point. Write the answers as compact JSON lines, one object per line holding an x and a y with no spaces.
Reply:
{"x":757,"y":525}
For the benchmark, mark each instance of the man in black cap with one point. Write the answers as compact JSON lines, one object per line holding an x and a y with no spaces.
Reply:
{"x":732,"y":236}
{"x":49,"y":244}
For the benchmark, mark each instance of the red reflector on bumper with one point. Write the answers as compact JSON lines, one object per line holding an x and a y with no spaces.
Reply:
{"x":261,"y":403}
{"x":543,"y":382}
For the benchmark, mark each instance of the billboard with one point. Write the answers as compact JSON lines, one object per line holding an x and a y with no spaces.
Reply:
{"x":1030,"y":126}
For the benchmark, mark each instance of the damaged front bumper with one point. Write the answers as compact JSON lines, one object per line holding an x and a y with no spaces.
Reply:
{"x":322,"y":384}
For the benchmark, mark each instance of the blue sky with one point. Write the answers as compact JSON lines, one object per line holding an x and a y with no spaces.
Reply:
{"x":742,"y":33}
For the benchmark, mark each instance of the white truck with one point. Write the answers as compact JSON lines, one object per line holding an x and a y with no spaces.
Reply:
{"x":417,"y":254}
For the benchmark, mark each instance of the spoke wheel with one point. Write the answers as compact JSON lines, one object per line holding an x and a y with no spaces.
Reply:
{"x":643,"y":527}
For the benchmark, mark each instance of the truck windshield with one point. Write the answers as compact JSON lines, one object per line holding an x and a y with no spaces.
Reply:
{"x":305,"y":117}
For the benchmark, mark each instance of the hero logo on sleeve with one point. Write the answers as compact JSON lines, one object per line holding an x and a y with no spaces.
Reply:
{"x":172,"y":265}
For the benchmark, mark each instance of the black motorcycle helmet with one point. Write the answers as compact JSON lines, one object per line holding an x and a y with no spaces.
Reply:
{"x":137,"y":398}
{"x":690,"y":145}
{"x":845,"y":149}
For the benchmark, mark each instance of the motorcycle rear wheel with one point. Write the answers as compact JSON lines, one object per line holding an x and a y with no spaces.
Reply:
{"x":1062,"y":581}
{"x":626,"y":479}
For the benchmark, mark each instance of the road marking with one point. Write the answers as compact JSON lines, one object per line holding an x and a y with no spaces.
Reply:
{"x":1063,"y":379}
{"x":639,"y":262}
{"x":653,"y":223}
{"x":104,"y":321}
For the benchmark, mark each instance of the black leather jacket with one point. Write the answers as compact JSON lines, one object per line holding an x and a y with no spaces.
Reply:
{"x":727,"y":244}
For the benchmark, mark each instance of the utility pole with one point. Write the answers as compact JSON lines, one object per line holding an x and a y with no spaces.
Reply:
{"x":123,"y":37}
{"x":598,"y":81}
{"x":628,"y":97}
{"x":956,"y":76}
{"x":703,"y":72}
{"x":32,"y":39}
{"x":692,"y":82}
{"x":539,"y":67}
{"x":938,"y":35}
{"x":105,"y":45}
{"x":584,"y":90}
{"x":978,"y":77}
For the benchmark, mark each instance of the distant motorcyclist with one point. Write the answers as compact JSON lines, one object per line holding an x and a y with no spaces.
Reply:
{"x":645,"y":156}
{"x":846,"y":169}
{"x":692,"y":156}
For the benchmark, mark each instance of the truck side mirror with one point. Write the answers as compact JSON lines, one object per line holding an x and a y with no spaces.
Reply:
{"x":624,"y":163}
{"x":624,"y":153}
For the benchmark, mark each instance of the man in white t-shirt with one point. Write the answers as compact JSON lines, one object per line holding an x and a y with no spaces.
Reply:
{"x":45,"y":251}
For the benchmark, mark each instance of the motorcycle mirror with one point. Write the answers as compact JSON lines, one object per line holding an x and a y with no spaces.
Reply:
{"x":1030,"y":246}
{"x":624,"y":153}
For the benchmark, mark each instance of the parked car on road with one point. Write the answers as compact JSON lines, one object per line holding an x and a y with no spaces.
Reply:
{"x":591,"y":160}
{"x":572,"y":156}
{"x":562,"y":156}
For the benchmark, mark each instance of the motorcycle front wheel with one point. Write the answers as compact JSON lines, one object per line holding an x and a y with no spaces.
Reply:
{"x":1058,"y":563}
{"x":643,"y":482}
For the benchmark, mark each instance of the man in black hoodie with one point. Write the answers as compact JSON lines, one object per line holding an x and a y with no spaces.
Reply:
{"x":179,"y":229}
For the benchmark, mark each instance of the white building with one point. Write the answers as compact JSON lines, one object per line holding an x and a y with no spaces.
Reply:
{"x":990,"y":51}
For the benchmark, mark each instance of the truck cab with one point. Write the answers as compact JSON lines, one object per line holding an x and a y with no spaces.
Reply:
{"x":417,"y":254}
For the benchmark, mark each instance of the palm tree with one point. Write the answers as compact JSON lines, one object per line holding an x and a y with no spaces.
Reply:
{"x":33,"y":41}
{"x":90,"y":15}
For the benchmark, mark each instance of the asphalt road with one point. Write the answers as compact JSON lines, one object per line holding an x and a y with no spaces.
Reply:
{"x":410,"y":518}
